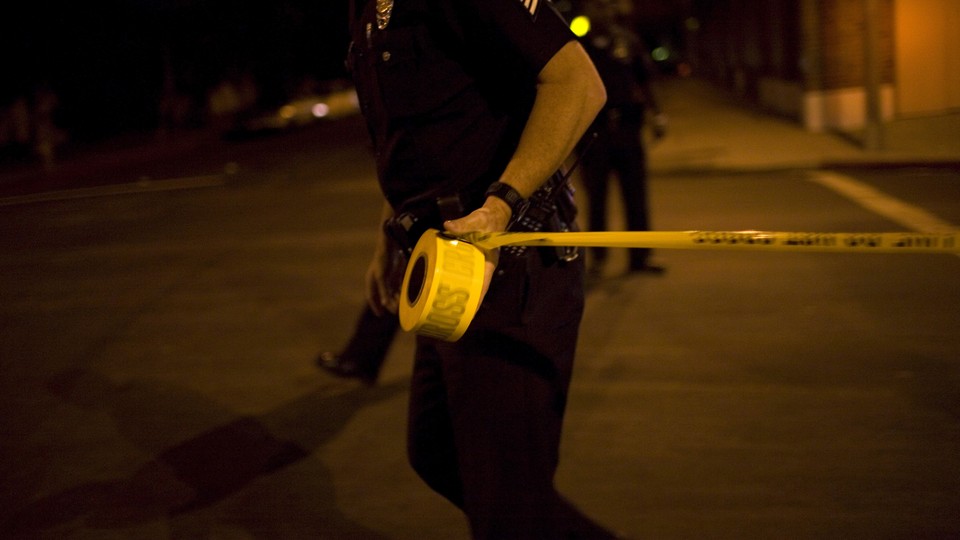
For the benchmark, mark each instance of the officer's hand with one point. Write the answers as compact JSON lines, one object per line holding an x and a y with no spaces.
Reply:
{"x":493,"y":216}
{"x":380,"y":296}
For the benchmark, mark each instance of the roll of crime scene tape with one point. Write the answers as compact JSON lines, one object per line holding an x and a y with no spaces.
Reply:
{"x":444,"y":278}
{"x":441,"y":287}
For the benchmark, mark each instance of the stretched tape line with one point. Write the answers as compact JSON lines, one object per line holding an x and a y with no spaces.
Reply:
{"x":905,"y":242}
{"x":442,"y":286}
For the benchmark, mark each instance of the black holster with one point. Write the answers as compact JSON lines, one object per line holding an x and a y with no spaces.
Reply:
{"x":411,"y":221}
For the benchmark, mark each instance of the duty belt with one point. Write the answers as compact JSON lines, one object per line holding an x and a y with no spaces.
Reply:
{"x":550,"y":208}
{"x":410,"y":222}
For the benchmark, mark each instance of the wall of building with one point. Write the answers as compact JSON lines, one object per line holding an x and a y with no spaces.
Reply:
{"x":806,"y":59}
{"x":927,"y":56}
{"x":834,"y":90}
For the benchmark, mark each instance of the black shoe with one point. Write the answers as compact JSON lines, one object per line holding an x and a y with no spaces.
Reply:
{"x":346,"y":368}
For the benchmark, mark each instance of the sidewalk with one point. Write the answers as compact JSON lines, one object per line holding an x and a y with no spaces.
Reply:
{"x":712,"y":129}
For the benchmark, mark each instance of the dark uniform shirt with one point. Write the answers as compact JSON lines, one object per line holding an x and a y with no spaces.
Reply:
{"x":446,"y":88}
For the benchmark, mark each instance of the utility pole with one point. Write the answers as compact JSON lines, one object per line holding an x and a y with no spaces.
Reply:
{"x":873,"y":76}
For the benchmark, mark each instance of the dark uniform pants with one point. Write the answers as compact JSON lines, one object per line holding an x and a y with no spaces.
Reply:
{"x":486,"y":411}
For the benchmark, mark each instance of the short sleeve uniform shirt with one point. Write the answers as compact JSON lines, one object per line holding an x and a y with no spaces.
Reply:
{"x":446,"y":87}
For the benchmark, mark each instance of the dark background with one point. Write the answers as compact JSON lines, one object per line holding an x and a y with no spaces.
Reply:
{"x":124,"y":66}
{"x":111,"y":65}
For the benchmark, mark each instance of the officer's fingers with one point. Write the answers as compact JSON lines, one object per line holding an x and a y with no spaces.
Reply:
{"x":385,"y":297}
{"x":390,"y":302}
{"x":381,"y":301}
{"x":466,"y":224}
{"x":480,"y":220}
{"x":375,"y":306}
{"x":376,"y":290}
{"x":373,"y":297}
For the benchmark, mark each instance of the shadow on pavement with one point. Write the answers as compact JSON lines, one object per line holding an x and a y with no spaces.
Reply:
{"x":186,"y":477}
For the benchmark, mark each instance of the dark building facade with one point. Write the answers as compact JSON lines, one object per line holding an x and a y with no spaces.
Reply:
{"x":823,"y":62}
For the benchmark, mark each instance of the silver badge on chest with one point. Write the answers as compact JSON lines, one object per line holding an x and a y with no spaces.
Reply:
{"x":384,"y":11}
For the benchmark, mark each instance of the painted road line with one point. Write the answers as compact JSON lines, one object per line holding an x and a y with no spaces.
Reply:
{"x":142,"y":186}
{"x":908,"y":215}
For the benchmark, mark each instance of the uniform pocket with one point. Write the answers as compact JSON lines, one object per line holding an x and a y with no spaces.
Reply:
{"x":556,"y":294}
{"x":415,"y":77}
{"x":506,"y":300}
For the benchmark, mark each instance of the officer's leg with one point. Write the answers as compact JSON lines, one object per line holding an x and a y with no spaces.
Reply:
{"x":430,"y":446}
{"x":506,"y":427}
{"x":507,"y":389}
{"x":595,"y":171}
{"x":631,"y":171}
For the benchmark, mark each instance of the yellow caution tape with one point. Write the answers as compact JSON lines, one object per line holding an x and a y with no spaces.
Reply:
{"x":443,"y":283}
{"x":905,"y":242}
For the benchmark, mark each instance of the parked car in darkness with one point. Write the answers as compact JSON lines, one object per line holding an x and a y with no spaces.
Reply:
{"x":337,"y":100}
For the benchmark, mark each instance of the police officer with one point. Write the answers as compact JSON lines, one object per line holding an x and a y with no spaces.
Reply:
{"x":473,"y":106}
{"x":618,"y":146}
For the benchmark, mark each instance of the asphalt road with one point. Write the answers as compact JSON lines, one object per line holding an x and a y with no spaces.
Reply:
{"x":160,"y":318}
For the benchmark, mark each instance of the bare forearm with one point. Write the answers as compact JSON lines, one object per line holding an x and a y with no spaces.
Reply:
{"x":569,"y":96}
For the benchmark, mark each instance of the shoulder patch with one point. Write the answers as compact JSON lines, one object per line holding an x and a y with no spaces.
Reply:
{"x":532,"y":6}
